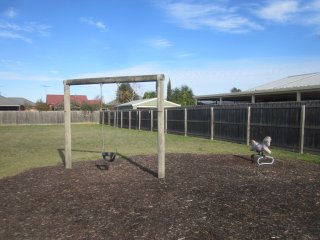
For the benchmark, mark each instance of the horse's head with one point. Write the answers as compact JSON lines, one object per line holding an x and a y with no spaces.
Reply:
{"x":267,"y":141}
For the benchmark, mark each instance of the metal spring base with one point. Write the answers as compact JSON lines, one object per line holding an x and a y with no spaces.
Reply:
{"x":265,"y":160}
{"x":262,"y":160}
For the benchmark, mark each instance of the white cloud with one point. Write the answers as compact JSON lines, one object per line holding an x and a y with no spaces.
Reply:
{"x":10,"y":63}
{"x":195,"y":15}
{"x":97,"y":24}
{"x":23,"y":32}
{"x":240,"y":18}
{"x":232,"y":24}
{"x":279,"y":11}
{"x":13,"y":76}
{"x":13,"y":35}
{"x":10,"y":13}
{"x":183,"y":55}
{"x":54,"y":72}
{"x":313,"y":5}
{"x":159,"y":43}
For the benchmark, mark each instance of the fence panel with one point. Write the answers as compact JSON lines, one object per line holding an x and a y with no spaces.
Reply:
{"x":281,"y":123}
{"x":155,"y":120}
{"x":112,"y":116}
{"x":175,"y":121}
{"x":230,"y":123}
{"x":118,"y":119}
{"x":199,"y":122}
{"x":145,"y":119}
{"x":50,"y":117}
{"x":134,"y":120}
{"x":125,"y":119}
{"x":312,"y":129}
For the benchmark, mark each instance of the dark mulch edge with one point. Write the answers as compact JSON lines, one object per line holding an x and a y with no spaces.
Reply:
{"x":202,"y":197}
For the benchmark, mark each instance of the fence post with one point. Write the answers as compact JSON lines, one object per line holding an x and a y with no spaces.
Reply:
{"x":248,"y":126}
{"x":185,"y":122}
{"x":129,"y":119}
{"x":121,"y":120}
{"x":302,"y":125}
{"x":109,"y":118}
{"x":139,"y":114}
{"x":114,"y":119}
{"x":151,"y":118}
{"x":212,"y":122}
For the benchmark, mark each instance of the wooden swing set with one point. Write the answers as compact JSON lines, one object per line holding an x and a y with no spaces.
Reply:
{"x":159,"y":79}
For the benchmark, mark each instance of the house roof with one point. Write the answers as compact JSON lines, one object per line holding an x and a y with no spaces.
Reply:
{"x":304,"y":82}
{"x":13,"y":101}
{"x":7,"y":102}
{"x":21,"y":101}
{"x":94,"y":102}
{"x":147,"y":103}
{"x":297,"y":81}
{"x":57,"y":99}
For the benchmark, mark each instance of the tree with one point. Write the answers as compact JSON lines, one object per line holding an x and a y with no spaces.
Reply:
{"x":41,"y":106}
{"x":235,"y":90}
{"x":151,"y":94}
{"x":86,"y":107}
{"x":73,"y":106}
{"x":125,"y":93}
{"x":169,"y":91}
{"x":183,"y":96}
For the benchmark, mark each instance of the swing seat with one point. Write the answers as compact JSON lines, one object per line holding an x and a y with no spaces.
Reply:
{"x":262,"y":159}
{"x":111,"y":155}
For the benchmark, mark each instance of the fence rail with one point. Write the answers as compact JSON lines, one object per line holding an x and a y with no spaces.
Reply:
{"x":45,"y":117}
{"x":294,"y":126}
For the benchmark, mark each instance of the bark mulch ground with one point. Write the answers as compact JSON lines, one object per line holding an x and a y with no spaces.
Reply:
{"x":202,"y":197}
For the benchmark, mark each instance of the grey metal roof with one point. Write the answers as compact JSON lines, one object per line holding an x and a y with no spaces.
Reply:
{"x":303,"y":82}
{"x":7,"y":102}
{"x":21,"y":101}
{"x":296,"y":81}
{"x":13,"y":101}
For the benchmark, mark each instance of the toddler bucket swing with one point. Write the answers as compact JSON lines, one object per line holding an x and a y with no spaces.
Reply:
{"x":107,"y":156}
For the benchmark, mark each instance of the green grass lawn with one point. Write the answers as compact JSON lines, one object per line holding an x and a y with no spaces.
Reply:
{"x":25,"y":147}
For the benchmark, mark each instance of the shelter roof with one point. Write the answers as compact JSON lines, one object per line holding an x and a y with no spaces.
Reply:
{"x":147,"y":103}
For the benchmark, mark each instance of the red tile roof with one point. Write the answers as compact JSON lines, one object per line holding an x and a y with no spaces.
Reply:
{"x":54,"y":100}
{"x":94,"y":102}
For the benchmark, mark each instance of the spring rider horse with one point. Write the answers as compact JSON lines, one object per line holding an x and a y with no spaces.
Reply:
{"x":261,"y":149}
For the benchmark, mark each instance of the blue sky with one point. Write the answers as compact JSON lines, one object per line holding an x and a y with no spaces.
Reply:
{"x":211,"y":46}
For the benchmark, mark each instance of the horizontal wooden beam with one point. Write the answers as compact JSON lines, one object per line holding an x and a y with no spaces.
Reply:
{"x":120,"y":79}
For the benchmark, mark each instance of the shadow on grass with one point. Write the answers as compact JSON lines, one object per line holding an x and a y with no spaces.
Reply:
{"x":105,"y":166}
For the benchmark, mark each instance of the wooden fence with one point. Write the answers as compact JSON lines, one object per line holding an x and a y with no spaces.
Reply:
{"x":295,"y":126}
{"x":43,"y":117}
